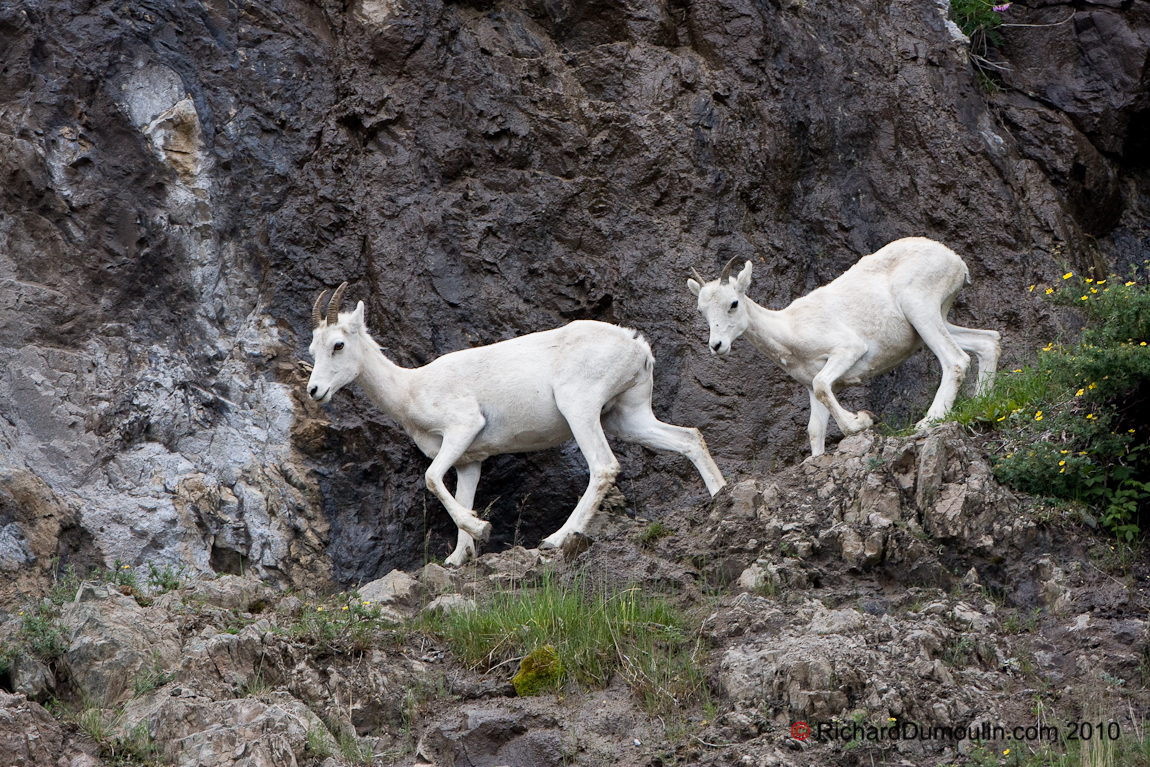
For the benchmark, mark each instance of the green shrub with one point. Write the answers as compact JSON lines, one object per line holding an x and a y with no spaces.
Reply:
{"x":1075,"y":425}
{"x":40,"y":631}
{"x":978,"y":20}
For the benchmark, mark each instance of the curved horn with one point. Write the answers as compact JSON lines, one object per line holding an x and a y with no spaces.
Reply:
{"x":726,"y":275}
{"x":698,"y":279}
{"x":333,"y":307}
{"x":317,"y":309}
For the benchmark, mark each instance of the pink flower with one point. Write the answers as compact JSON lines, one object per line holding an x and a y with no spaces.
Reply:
{"x":1001,"y":8}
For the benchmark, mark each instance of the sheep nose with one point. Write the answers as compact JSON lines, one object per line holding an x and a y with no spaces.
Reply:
{"x":312,"y":391}
{"x":716,"y":345}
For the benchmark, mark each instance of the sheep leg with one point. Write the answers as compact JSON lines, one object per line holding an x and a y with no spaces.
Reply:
{"x":632,"y":420}
{"x":984,"y":345}
{"x":601,"y":463}
{"x":817,"y":426}
{"x":455,"y":443}
{"x":840,"y":361}
{"x":466,"y":481}
{"x":932,"y":328}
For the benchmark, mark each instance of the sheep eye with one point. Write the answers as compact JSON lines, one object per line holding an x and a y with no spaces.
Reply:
{"x":734,"y":304}
{"x":338,"y":345}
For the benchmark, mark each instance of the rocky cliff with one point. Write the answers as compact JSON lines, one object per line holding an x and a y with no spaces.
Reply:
{"x":891,"y":583}
{"x":179,"y":180}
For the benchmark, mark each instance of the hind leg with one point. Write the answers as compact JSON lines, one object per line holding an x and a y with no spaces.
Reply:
{"x":984,"y":344}
{"x":933,"y":330}
{"x":466,"y":480}
{"x":817,"y":426}
{"x":582,"y":414}
{"x":632,"y":420}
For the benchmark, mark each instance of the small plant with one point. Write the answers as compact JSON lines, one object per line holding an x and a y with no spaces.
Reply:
{"x":960,"y":652}
{"x":124,"y":577}
{"x":41,"y":633}
{"x":653,"y":533}
{"x":980,"y":21}
{"x":97,"y":724}
{"x":136,"y":746}
{"x":150,"y":676}
{"x":161,"y":580}
{"x":65,"y":583}
{"x":353,"y":749}
{"x":317,"y":743}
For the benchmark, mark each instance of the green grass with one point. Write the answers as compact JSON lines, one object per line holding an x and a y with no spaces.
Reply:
{"x":594,"y":633}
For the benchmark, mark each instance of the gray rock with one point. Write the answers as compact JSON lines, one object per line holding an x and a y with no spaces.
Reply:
{"x":111,"y":640}
{"x":32,"y":678}
{"x":490,"y":735}
{"x":396,"y":589}
{"x":449,"y":603}
{"x":29,"y":736}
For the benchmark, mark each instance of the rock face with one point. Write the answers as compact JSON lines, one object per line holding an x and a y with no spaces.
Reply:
{"x":178,"y":182}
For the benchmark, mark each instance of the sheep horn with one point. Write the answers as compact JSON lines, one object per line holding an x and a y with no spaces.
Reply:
{"x":333,"y":307}
{"x":698,"y":279}
{"x":317,"y":310}
{"x":726,"y":275}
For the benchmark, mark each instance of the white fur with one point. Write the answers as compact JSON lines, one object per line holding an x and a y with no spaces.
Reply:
{"x":866,"y":322}
{"x":529,"y":393}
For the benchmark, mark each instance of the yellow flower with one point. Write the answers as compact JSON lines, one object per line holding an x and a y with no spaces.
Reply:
{"x":1062,"y":471}
{"x":1094,"y":290}
{"x":1038,"y":414}
{"x":1016,"y":370}
{"x":1084,"y":298}
{"x":1062,"y":463}
{"x":1092,"y":386}
{"x":1128,"y":284}
{"x":1101,"y":282}
{"x":1064,"y":452}
{"x":345,"y":607}
{"x":1080,"y":393}
{"x":1089,"y":416}
{"x":1049,"y":291}
{"x":1142,"y":344}
{"x":1089,"y":280}
{"x":1007,"y":751}
{"x":1031,"y":288}
{"x":1038,"y":418}
{"x":1068,"y":275}
{"x":1003,"y":418}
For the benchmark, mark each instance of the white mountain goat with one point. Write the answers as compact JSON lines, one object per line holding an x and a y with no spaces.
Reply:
{"x":869,"y":320}
{"x":529,"y":393}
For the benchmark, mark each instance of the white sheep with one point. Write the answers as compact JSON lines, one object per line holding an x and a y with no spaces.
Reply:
{"x":528,"y":393}
{"x":869,"y":320}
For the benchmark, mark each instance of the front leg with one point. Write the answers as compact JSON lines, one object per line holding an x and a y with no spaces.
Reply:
{"x":838,"y":363}
{"x":456,"y":440}
{"x":466,"y":480}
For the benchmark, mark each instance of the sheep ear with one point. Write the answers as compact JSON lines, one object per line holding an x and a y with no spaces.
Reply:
{"x":693,"y":286}
{"x":355,"y":321}
{"x":743,"y":281}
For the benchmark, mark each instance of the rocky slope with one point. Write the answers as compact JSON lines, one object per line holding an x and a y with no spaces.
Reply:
{"x":890,"y":581}
{"x":179,"y":180}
